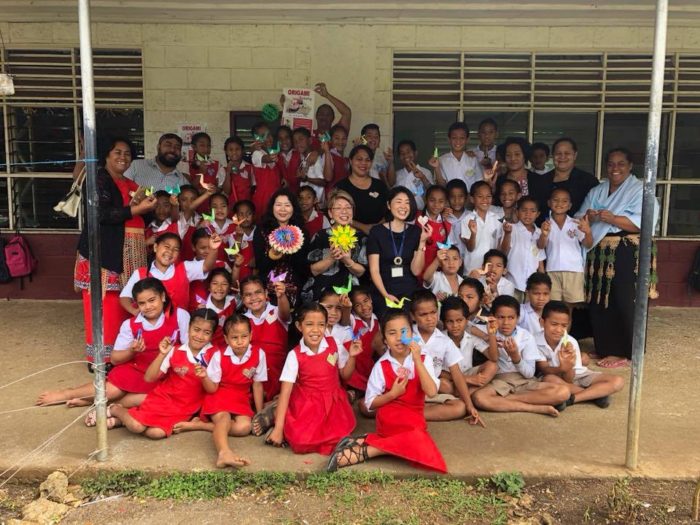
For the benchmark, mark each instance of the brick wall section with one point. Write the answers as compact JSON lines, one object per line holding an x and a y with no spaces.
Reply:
{"x":675,"y":261}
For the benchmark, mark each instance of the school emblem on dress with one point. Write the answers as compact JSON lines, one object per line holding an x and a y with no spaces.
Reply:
{"x":181,"y":370}
{"x":571,"y":233}
{"x":535,"y":250}
{"x":402,"y":372}
{"x":244,"y":245}
{"x":332,"y":358}
{"x":249,"y":372}
{"x":373,"y":194}
{"x":442,"y":232}
{"x":271,"y":317}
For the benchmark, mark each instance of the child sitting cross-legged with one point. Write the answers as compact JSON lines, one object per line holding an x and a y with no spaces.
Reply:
{"x":491,"y":276}
{"x":514,"y":389}
{"x":560,"y":361}
{"x":537,"y":290}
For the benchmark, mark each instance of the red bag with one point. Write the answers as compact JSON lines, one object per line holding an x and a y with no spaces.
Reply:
{"x":18,"y":257}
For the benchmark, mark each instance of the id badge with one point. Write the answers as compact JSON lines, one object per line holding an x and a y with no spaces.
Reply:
{"x":397,"y":271}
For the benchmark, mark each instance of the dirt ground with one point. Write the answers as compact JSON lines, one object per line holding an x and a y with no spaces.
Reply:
{"x":584,"y":442}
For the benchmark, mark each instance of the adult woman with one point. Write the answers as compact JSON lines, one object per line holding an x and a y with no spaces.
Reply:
{"x":368,"y":193}
{"x":565,"y":175}
{"x":516,"y":151}
{"x":332,"y":266}
{"x":122,"y":245}
{"x":282,"y":210}
{"x":396,"y":250}
{"x":614,"y":209}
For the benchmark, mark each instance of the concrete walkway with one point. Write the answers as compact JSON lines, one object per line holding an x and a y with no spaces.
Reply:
{"x":584,"y":442}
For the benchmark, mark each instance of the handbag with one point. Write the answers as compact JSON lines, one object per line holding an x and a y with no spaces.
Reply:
{"x":70,"y":204}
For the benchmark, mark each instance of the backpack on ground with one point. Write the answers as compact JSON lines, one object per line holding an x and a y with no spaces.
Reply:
{"x":694,"y":275}
{"x":18,"y":257}
{"x":5,"y":276}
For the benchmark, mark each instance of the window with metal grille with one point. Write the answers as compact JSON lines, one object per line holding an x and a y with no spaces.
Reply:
{"x":41,"y":126}
{"x":599,"y":99}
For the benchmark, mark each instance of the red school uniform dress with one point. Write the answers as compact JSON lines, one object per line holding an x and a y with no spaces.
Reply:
{"x":441,"y":230}
{"x":267,"y":182}
{"x":365,"y":361}
{"x":246,"y":245}
{"x":317,"y":222}
{"x":167,"y":226}
{"x":210,"y":169}
{"x":229,"y":307}
{"x":319,"y":413}
{"x":129,"y":376}
{"x":401,"y":427}
{"x":177,"y":397}
{"x":341,"y":169}
{"x":198,"y":289}
{"x":226,"y":232}
{"x":288,"y":171}
{"x":235,"y":378}
{"x":241,"y":183}
{"x":270,"y":333}
{"x":186,"y":229}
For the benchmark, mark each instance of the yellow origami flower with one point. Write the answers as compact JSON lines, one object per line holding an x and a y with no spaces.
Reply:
{"x":343,"y":237}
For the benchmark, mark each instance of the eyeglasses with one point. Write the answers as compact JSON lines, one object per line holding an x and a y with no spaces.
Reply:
{"x":342,"y":208}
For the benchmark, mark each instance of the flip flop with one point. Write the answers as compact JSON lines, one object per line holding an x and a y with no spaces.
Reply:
{"x":269,"y":443}
{"x":265,"y":419}
{"x":91,"y":419}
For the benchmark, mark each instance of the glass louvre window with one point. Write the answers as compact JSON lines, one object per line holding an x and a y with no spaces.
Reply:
{"x":582,"y":127}
{"x":630,"y":131}
{"x":428,"y":129}
{"x":684,"y":211}
{"x":686,"y":149}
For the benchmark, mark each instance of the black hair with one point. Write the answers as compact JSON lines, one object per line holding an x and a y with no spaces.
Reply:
{"x":189,"y":187}
{"x":220,"y":195}
{"x":488,"y":121}
{"x":432,"y":189}
{"x":539,"y":145}
{"x":422,"y":295}
{"x":199,"y":135}
{"x":327,"y":292}
{"x":161,"y":193}
{"x":523,"y":144}
{"x":252,"y":279}
{"x":244,"y":202}
{"x":407,"y":142}
{"x":505,"y":301}
{"x":510,"y":181}
{"x":453,"y":303}
{"x":390,"y":315}
{"x":555,"y":307}
{"x":457,"y":126}
{"x":475,"y":284}
{"x":207,"y":314}
{"x":526,"y":199}
{"x":560,"y":189}
{"x":368,"y":127}
{"x":234,"y":140}
{"x":268,"y":220}
{"x":309,"y":308}
{"x":259,"y":125}
{"x":627,"y":153}
{"x":110,"y":144}
{"x":233,"y":320}
{"x":199,"y":233}
{"x":151,"y":283}
{"x":456,"y":184}
{"x":309,"y":189}
{"x":219,"y":271}
{"x":168,"y":235}
{"x":302,"y":131}
{"x":170,"y":136}
{"x":357,"y":290}
{"x":479,"y":184}
{"x":283,"y":128}
{"x":397,"y":190}
{"x":571,"y":141}
{"x":337,"y":127}
{"x":361,"y":147}
{"x":538,"y":278}
{"x":493,"y":252}
{"x":326,"y":106}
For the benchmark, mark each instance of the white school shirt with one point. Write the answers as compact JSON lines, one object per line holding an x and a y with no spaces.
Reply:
{"x":376,"y":384}
{"x":442,"y":353}
{"x":441,"y":284}
{"x":184,"y":224}
{"x":379,"y":164}
{"x":529,"y":319}
{"x":408,"y":180}
{"x":126,"y":336}
{"x":214,"y":367}
{"x":563,"y":248}
{"x":480,"y":154}
{"x":256,"y":158}
{"x":315,"y":171}
{"x":271,"y":314}
{"x":467,"y":168}
{"x":325,"y":223}
{"x":552,"y":355}
{"x":488,"y":235}
{"x":221,"y":174}
{"x":524,"y":255}
{"x":194,"y":270}
{"x":291,"y":364}
{"x":165,"y":365}
{"x":503,"y":286}
{"x":466,"y":348}
{"x":528,"y":353}
{"x":341,"y":334}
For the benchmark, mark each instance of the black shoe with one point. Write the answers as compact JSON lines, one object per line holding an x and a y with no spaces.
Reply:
{"x":571,"y":400}
{"x":602,"y":402}
{"x":561,"y":406}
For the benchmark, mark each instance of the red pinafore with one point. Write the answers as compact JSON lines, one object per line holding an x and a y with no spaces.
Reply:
{"x":157,"y":232}
{"x":187,"y":250}
{"x":177,"y":397}
{"x":247,"y":253}
{"x":234,"y":394}
{"x":315,"y":225}
{"x":319,"y":413}
{"x":178,"y":286}
{"x":365,"y":361}
{"x":271,"y":335}
{"x":401,"y":427}
{"x":241,"y":183}
{"x":129,"y":376}
{"x":267,"y":182}
{"x":218,"y":338}
{"x":289,"y":171}
{"x":341,"y":169}
{"x":210,"y":170}
{"x":198,"y":290}
{"x":441,"y":230}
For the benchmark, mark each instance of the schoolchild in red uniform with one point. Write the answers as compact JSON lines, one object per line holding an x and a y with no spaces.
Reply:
{"x":134,"y":349}
{"x":180,"y":383}
{"x":166,"y":216}
{"x":336,"y":165}
{"x":222,"y":224}
{"x":365,"y":326}
{"x":245,"y":213}
{"x":236,"y":177}
{"x":269,"y":326}
{"x":313,"y":410}
{"x":199,"y":290}
{"x":435,"y":203}
{"x":203,"y":164}
{"x":188,"y":219}
{"x":220,"y":301}
{"x":315,"y":221}
{"x":267,"y":176}
{"x":396,"y":390}
{"x":176,"y":275}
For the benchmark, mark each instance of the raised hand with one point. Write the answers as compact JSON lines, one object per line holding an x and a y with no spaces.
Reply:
{"x":163,"y":347}
{"x":399,"y":387}
{"x":472,"y":226}
{"x":584,"y":225}
{"x":355,"y":348}
{"x":546,"y":227}
{"x":321,"y":89}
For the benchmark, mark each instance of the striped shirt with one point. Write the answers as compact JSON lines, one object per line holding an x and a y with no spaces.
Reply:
{"x":145,"y":172}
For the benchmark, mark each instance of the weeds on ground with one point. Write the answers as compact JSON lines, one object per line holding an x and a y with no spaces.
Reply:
{"x":622,"y":505}
{"x":511,"y":483}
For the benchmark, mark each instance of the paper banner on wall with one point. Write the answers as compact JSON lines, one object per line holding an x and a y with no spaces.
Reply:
{"x":185,"y":132}
{"x":299,"y":107}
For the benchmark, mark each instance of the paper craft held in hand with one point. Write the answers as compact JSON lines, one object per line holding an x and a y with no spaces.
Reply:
{"x":208,"y":217}
{"x":406,"y":339}
{"x":444,"y":245}
{"x":173,"y":190}
{"x":276,"y":278}
{"x":395,"y":304}
{"x":343,"y":238}
{"x":233,"y":250}
{"x":357,"y":335}
{"x":342,"y":290}
{"x":148,"y":192}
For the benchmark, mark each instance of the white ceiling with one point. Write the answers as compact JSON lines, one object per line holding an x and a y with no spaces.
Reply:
{"x":467,"y":12}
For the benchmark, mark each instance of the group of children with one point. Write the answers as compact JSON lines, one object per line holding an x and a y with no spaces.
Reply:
{"x":209,"y":348}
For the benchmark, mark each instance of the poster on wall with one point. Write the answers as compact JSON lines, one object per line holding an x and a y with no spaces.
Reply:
{"x":185,"y":132}
{"x":299,"y":106}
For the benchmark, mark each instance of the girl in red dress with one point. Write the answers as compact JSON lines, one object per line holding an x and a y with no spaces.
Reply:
{"x":314,"y":221}
{"x":336,"y":165}
{"x":267,"y":176}
{"x":176,"y":275}
{"x":222,"y":224}
{"x":199,"y":289}
{"x":269,"y":325}
{"x":220,"y":301}
{"x":180,"y":381}
{"x":245,"y":213}
{"x":188,"y":219}
{"x":134,"y":349}
{"x":435,"y":203}
{"x":396,"y":390}
{"x":237,"y":175}
{"x":313,"y":411}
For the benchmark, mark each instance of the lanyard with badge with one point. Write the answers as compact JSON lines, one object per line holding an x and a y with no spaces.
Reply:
{"x":397,"y":268}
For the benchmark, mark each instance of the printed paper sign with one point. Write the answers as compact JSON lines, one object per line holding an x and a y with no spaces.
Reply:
{"x":299,"y":107}
{"x":185,"y":131}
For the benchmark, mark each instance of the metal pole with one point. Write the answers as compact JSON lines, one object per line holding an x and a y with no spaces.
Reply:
{"x":647,"y":231}
{"x":93,"y":223}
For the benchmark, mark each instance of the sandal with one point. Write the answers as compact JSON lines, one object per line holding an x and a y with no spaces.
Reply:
{"x":348,"y":448}
{"x":112,"y":422}
{"x":265,"y":419}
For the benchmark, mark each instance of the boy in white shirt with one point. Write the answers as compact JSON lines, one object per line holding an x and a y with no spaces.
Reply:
{"x":442,"y":354}
{"x":480,"y":230}
{"x":562,"y":237}
{"x":491,"y":276}
{"x":538,"y":288}
{"x":458,"y":163}
{"x":412,"y":176}
{"x":383,"y":163}
{"x":519,"y":242}
{"x":539,"y":155}
{"x":514,"y":388}
{"x":560,"y":361}
{"x":486,"y":150}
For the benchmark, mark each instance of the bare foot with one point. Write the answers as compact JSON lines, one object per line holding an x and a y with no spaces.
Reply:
{"x":547,"y":410}
{"x":188,"y":426}
{"x":79,"y":402}
{"x":227,"y":458}
{"x":52,"y":397}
